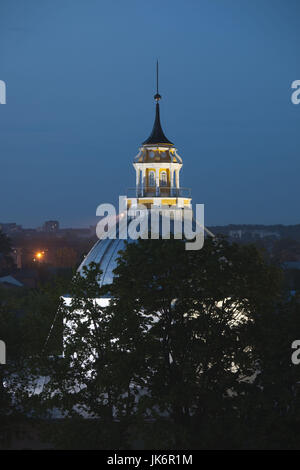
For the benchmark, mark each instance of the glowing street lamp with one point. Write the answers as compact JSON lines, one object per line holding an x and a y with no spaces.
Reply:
{"x":39,"y":255}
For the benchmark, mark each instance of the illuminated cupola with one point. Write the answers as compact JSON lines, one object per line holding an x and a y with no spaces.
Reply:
{"x":157,"y":167}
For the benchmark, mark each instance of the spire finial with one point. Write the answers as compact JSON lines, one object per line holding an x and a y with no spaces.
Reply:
{"x":157,"y":96}
{"x":157,"y":135}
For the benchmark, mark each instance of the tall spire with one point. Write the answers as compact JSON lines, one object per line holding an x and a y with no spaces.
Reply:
{"x":157,"y":135}
{"x":157,"y":97}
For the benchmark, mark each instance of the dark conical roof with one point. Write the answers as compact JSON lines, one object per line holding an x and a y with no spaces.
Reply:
{"x":157,"y":135}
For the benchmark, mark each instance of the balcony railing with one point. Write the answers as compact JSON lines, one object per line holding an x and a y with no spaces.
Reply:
{"x":161,"y":191}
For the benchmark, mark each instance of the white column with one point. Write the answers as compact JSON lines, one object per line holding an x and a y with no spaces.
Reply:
{"x":177,"y":181}
{"x":143,"y":185}
{"x":137,"y":182}
{"x":172,"y":182}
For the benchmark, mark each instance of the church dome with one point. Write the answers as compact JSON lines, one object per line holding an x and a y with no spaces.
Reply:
{"x":106,"y":251}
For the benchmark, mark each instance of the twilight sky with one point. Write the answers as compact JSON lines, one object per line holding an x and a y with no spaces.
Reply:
{"x":80,"y":77}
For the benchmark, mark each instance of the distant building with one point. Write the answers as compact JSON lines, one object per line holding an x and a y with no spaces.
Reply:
{"x":51,"y":226}
{"x":10,"y":281}
{"x":27,"y":277}
{"x":264,"y":234}
{"x":78,"y":232}
{"x":236,"y":233}
{"x":17,"y":256}
{"x":10,"y":228}
{"x":253,"y":234}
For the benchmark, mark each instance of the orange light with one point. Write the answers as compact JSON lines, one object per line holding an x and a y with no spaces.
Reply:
{"x":39,"y":255}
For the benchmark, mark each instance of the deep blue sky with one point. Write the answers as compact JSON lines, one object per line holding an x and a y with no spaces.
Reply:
{"x":80,"y":78}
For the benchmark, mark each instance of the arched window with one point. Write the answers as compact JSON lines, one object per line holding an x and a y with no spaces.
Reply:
{"x":163,"y":178}
{"x":151,"y":178}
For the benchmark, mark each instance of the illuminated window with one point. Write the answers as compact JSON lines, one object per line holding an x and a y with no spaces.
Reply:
{"x":151,"y":178}
{"x":163,"y":178}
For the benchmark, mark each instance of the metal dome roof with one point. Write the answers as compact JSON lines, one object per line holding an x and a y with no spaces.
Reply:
{"x":106,"y":251}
